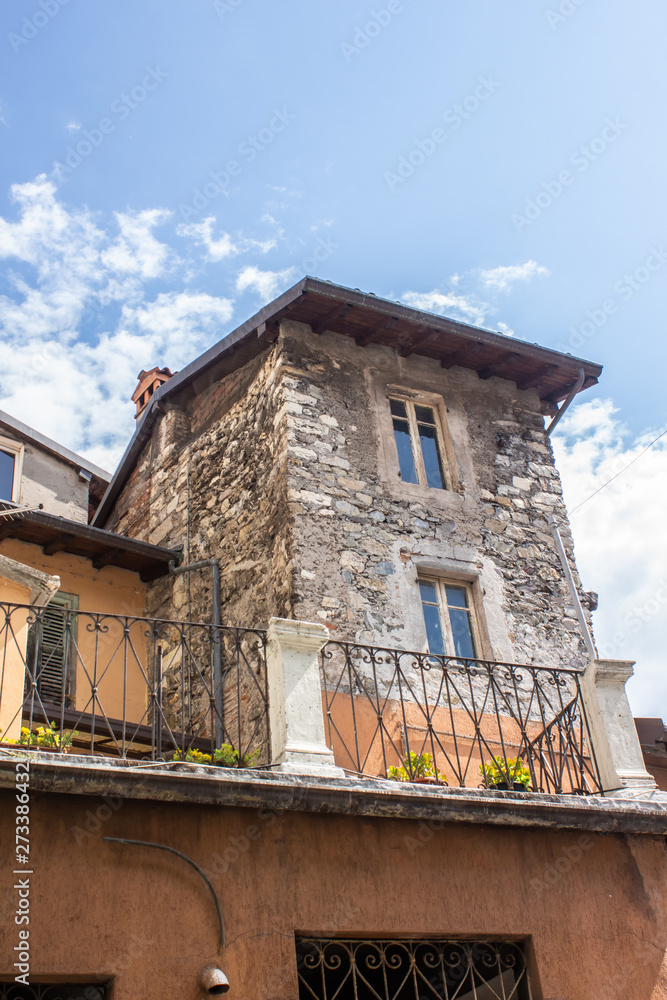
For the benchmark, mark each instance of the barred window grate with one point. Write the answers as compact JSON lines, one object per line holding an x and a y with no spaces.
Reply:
{"x":51,"y":991}
{"x":342,"y":969}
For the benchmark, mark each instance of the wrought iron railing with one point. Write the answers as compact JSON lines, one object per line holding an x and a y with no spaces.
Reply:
{"x":72,"y":681}
{"x":462,"y":722}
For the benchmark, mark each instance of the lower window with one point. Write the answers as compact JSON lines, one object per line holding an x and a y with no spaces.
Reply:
{"x":449,"y":618}
{"x":47,"y":991}
{"x":342,"y":969}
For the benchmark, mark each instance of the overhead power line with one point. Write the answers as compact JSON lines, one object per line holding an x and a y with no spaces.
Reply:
{"x":624,"y":469}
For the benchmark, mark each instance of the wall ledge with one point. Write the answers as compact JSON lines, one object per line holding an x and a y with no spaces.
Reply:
{"x":346,"y":796}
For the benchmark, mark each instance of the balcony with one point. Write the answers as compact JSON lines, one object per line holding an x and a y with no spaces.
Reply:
{"x":144,"y":689}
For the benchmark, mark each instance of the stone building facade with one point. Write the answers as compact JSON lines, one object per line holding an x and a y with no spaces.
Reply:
{"x":286,"y":470}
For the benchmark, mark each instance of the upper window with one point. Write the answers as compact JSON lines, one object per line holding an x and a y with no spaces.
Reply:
{"x":7,"y":466}
{"x":419,"y":444}
{"x":449,"y":618}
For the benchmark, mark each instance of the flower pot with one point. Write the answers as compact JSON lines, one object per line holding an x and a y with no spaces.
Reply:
{"x":34,"y":748}
{"x":502,"y":786}
{"x":424,"y":781}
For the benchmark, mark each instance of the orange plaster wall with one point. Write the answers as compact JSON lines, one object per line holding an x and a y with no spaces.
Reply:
{"x":593,"y":908}
{"x":111,"y":591}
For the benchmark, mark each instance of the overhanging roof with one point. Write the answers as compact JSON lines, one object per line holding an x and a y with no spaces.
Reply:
{"x":103,"y":548}
{"x":367,"y":319}
{"x":78,"y":461}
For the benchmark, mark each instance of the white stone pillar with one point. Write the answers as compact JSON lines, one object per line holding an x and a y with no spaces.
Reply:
{"x":296,"y":717}
{"x":612,"y":728}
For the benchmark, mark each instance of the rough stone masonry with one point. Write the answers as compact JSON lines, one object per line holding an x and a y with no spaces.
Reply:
{"x":286,"y":471}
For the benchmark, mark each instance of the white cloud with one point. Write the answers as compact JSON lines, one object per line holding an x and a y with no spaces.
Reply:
{"x":621,"y":541}
{"x":136,"y":251}
{"x":450,"y":304}
{"x":501,"y":279}
{"x":224,"y":246}
{"x":267,"y":284}
{"x":67,"y":271}
{"x":73,"y":126}
{"x":462,"y":299}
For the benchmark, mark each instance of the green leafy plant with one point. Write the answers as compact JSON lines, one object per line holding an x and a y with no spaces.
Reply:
{"x":505,"y":770}
{"x":416,"y":765}
{"x":223,"y":756}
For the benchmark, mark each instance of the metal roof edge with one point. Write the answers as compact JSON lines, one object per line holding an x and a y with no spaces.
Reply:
{"x":49,"y":444}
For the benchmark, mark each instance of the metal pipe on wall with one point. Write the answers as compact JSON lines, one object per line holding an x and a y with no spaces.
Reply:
{"x":217,"y":622}
{"x":588,"y":639}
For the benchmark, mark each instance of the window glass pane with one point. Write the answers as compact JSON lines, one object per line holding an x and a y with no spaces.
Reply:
{"x":428,"y":591}
{"x":462,"y":632}
{"x":6,"y":475}
{"x":436,"y":642}
{"x":398,"y":408}
{"x":431,"y":453}
{"x":424,"y":415}
{"x":405,"y":457}
{"x":456,"y":596}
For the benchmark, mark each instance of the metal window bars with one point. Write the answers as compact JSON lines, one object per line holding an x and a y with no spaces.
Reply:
{"x":391,"y":708}
{"x":46,"y":991}
{"x":343,"y":969}
{"x":132,"y":687}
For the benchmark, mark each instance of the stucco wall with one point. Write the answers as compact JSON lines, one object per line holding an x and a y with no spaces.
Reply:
{"x":47,"y":480}
{"x":592,"y":908}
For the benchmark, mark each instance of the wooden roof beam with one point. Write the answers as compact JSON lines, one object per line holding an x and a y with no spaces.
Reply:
{"x":57,"y":544}
{"x":466,"y":353}
{"x":422,"y":335}
{"x":365,"y":338}
{"x":537,"y":377}
{"x":499,"y":366}
{"x":107,"y":558}
{"x":340,"y":312}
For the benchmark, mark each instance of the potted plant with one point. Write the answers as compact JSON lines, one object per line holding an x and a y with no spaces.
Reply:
{"x":419,"y":768}
{"x":223,"y":756}
{"x":43,"y":738}
{"x":506,"y":774}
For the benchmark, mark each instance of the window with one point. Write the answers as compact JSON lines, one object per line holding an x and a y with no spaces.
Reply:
{"x":342,"y":969}
{"x":418,"y":443}
{"x":6,"y":475}
{"x":449,"y":618}
{"x":52,"y":991}
{"x":51,"y":651}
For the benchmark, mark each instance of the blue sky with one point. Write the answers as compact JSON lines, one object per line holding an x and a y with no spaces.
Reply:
{"x":493,"y":161}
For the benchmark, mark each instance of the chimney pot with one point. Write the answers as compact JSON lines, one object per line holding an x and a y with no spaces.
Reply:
{"x":147,"y":383}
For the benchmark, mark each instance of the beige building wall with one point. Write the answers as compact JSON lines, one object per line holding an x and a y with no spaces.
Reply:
{"x":100,"y":656}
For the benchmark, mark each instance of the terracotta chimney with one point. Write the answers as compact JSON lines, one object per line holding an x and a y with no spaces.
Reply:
{"x":148,"y":383}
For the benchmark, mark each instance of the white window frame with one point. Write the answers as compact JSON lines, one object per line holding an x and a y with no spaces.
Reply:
{"x":15,"y":449}
{"x":479,"y":639}
{"x":435,"y":403}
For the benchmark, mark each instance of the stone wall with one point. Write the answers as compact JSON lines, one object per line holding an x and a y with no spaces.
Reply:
{"x":361,"y":536}
{"x":286,"y":472}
